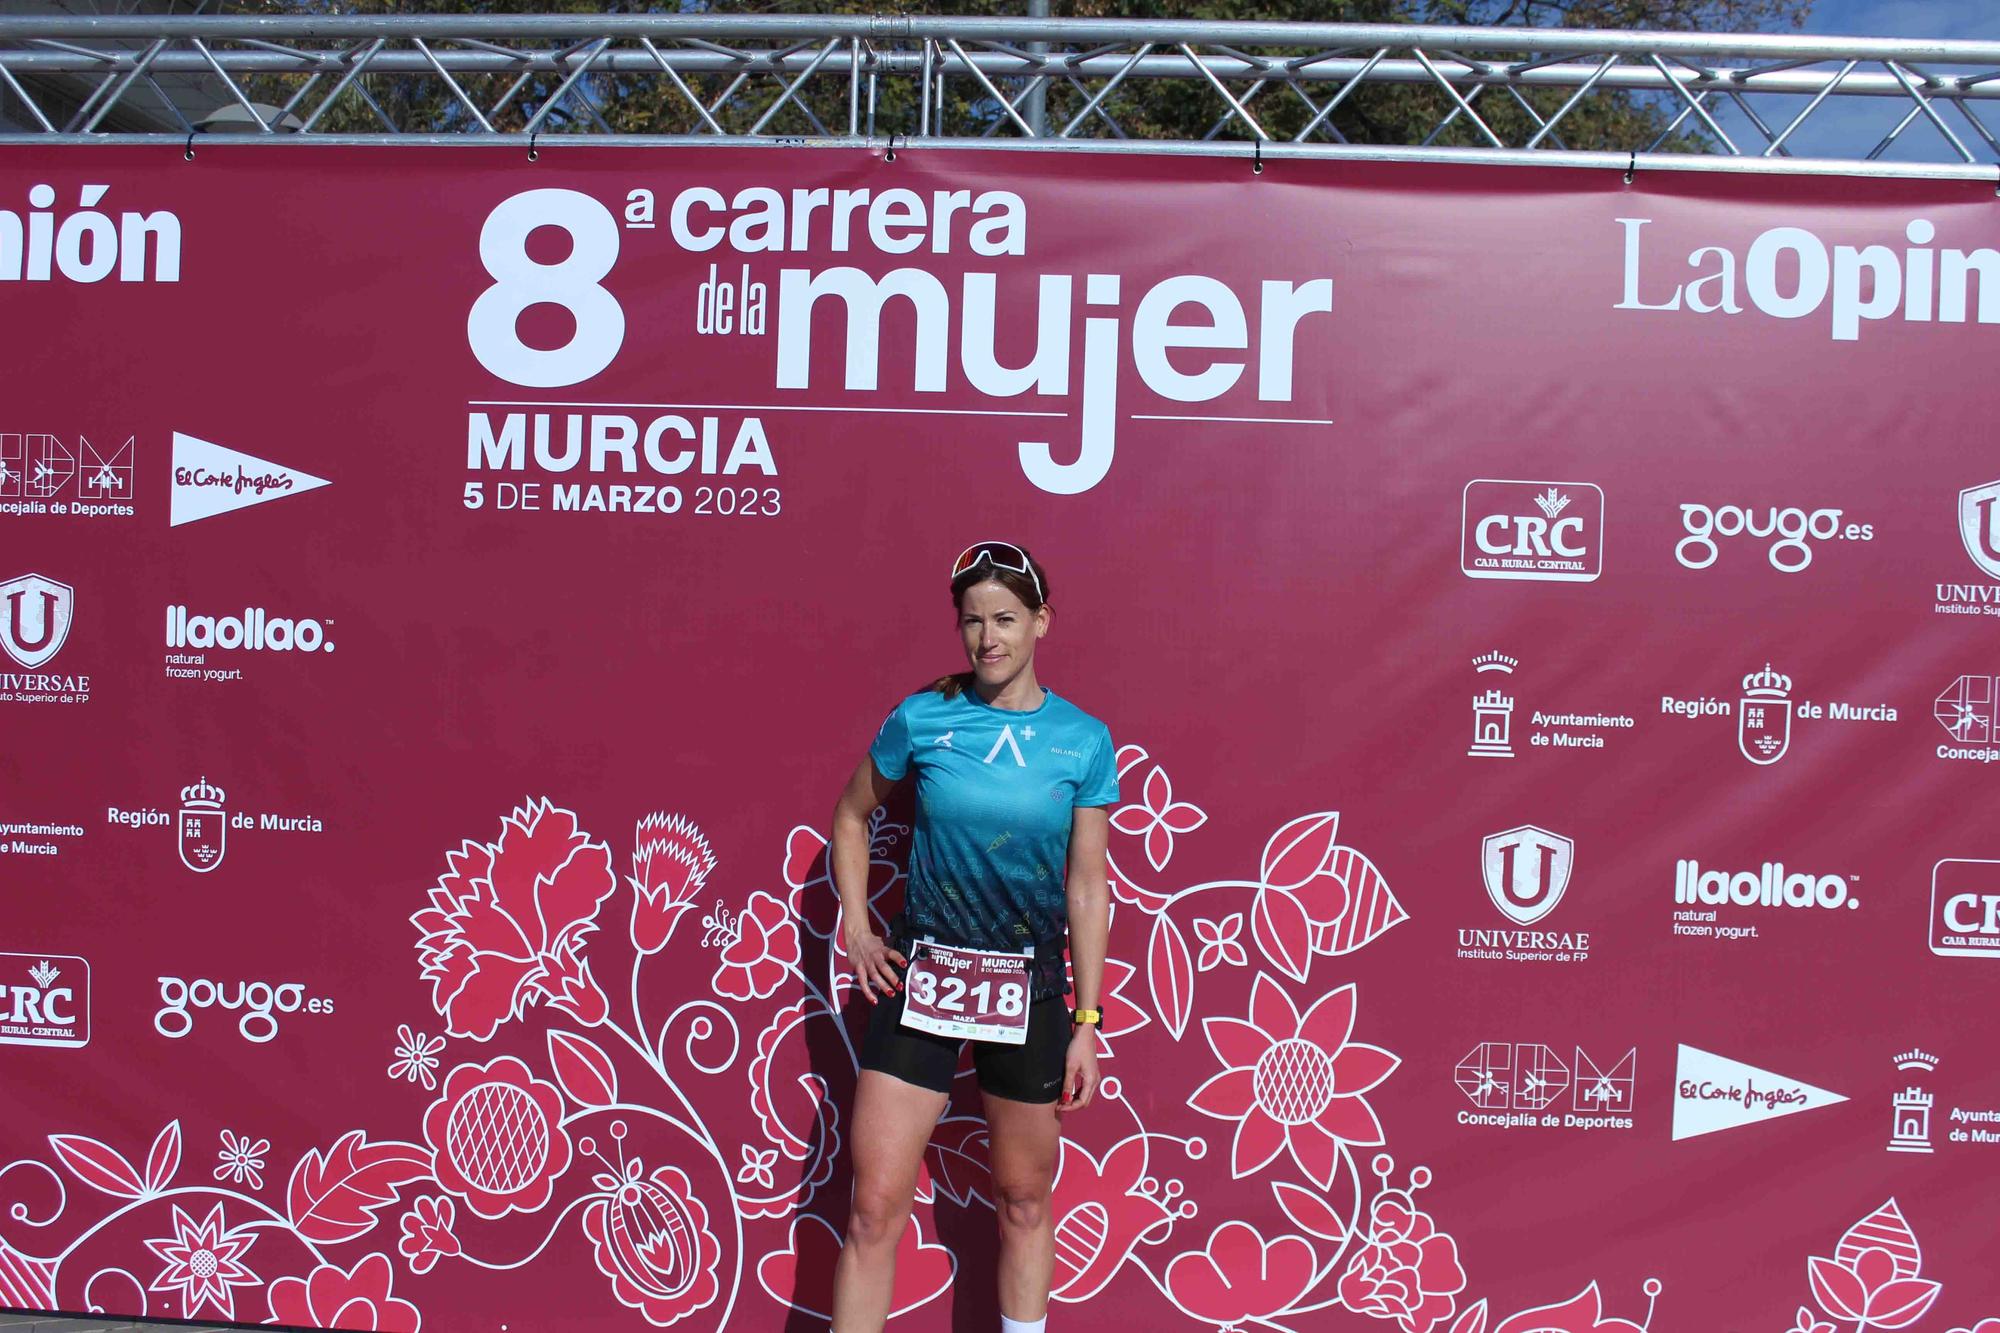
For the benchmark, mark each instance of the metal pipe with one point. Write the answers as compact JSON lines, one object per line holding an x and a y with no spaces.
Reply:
{"x":1582,"y":159}
{"x":673,"y":27}
{"x":1630,"y":78}
{"x":1038,"y":92}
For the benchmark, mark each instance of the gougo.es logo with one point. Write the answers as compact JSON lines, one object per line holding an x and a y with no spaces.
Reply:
{"x":1794,"y":530}
{"x":259,"y":1002}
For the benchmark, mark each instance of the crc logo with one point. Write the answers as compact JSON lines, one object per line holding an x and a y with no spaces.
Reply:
{"x":1526,"y":870}
{"x":34,"y":618}
{"x":1979,"y":525}
{"x":1544,"y":531}
{"x":1965,"y":909}
{"x":1790,"y":553}
{"x":44,"y":1000}
{"x":260,"y":1002}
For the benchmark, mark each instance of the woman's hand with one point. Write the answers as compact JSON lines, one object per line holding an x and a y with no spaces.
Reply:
{"x":1080,"y":1070}
{"x":874,"y":962}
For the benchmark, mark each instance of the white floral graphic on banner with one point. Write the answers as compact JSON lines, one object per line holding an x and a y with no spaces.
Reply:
{"x":653,"y":1069}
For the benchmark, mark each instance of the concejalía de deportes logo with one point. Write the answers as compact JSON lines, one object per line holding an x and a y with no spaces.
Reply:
{"x":1221,"y":338}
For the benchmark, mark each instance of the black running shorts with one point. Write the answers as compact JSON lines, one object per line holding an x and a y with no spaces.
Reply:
{"x":1031,"y":1072}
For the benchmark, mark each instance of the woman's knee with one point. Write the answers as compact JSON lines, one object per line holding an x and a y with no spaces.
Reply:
{"x":878,"y":1215}
{"x":1022,"y":1206}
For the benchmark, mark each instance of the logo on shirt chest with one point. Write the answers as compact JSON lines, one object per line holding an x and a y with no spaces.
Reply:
{"x":1007,"y":743}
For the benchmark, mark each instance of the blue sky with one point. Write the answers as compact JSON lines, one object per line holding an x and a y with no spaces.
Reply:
{"x":1850,"y":127}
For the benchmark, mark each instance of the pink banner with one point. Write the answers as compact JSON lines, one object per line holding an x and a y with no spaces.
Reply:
{"x":1548,"y":623}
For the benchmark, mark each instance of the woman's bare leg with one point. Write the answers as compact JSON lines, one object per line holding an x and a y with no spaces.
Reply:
{"x":892,"y":1123}
{"x":1026,"y":1142}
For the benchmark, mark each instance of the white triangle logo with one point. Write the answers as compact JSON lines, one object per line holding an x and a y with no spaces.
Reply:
{"x":1713,"y":1092}
{"x":209,"y":480}
{"x":1007,"y":741}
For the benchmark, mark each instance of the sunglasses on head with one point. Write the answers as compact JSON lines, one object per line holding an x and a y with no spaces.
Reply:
{"x":1001,"y":555}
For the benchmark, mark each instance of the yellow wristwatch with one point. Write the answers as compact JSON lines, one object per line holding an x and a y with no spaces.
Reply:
{"x":1093,"y":1017}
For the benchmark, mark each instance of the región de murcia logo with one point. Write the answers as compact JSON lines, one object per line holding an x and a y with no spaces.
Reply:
{"x":202,"y":824}
{"x":1765,"y":712}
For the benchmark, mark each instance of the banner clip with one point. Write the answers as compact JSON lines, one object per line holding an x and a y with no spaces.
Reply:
{"x":532,"y":154}
{"x":890,"y":156}
{"x":189,"y":154}
{"x":1257,"y":158}
{"x":1631,"y":163}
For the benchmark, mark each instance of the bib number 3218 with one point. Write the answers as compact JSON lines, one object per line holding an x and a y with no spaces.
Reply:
{"x":968,"y":993}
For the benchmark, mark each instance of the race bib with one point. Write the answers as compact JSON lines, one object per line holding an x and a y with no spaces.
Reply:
{"x":967,"y":993}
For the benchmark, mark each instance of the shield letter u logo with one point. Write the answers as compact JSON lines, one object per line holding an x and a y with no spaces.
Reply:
{"x":1979,"y":525}
{"x":1526,"y":870}
{"x":34,"y":618}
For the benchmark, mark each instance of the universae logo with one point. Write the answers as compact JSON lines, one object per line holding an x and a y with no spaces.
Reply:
{"x":1526,"y":870}
{"x":35,"y":614}
{"x":1979,"y":526}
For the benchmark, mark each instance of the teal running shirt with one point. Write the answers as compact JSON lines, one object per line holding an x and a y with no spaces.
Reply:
{"x":995,"y":788}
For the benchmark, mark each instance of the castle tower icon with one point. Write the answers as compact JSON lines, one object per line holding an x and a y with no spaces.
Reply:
{"x":1910,"y":1124}
{"x":1912,"y":1132}
{"x":1493,"y":712}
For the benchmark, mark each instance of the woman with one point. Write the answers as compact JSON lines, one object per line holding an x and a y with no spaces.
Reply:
{"x":1007,"y":867}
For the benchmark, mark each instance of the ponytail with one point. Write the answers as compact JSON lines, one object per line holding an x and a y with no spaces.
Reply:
{"x":953,"y":685}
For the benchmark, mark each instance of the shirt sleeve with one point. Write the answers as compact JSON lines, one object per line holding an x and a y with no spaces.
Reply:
{"x":891,"y":748}
{"x":1100,"y":779}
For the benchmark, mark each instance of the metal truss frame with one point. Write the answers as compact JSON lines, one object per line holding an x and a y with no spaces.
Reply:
{"x":1047,"y":84}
